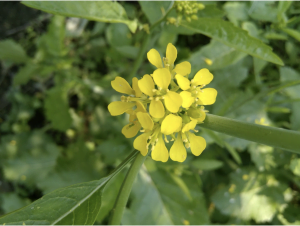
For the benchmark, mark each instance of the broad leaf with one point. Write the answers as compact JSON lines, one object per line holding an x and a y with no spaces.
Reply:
{"x":159,"y":199}
{"x":12,"y":51}
{"x":110,"y":12}
{"x":57,"y":109}
{"x":155,"y":10}
{"x":232,"y":36}
{"x":77,"y":204}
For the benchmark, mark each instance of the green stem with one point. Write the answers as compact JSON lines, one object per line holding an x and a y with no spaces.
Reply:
{"x":126,"y":189}
{"x":280,"y":138}
{"x":144,"y":45}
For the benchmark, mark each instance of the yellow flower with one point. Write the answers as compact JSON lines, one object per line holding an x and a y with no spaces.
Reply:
{"x":165,"y":105}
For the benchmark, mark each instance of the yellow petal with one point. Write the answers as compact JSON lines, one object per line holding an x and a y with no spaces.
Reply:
{"x":207,"y":96}
{"x":140,"y":143}
{"x":183,"y":68}
{"x":171,"y":124}
{"x":140,"y":107}
{"x":131,"y":129}
{"x":203,"y":77}
{"x":146,"y":85}
{"x":197,"y":144}
{"x":135,"y":86}
{"x":157,"y":109}
{"x":189,"y":126}
{"x":145,"y":120}
{"x":118,"y":107}
{"x":187,"y":99}
{"x":160,"y":152}
{"x":154,"y":58}
{"x":171,"y":54}
{"x":162,"y":77}
{"x":178,"y":151}
{"x":122,"y":86}
{"x":173,"y":101}
{"x":183,"y":82}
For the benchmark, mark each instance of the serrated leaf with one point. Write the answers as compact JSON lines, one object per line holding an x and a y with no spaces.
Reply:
{"x":77,"y":204}
{"x":234,"y":37}
{"x":57,"y":109}
{"x":106,"y":11}
{"x":12,"y":51}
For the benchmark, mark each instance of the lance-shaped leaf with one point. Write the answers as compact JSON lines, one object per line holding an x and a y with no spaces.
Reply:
{"x":103,"y":11}
{"x":232,"y":36}
{"x":78,"y":204}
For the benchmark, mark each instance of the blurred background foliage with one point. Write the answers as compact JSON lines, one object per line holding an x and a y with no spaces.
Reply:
{"x":55,"y":129}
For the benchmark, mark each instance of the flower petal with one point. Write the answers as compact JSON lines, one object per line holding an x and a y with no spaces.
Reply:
{"x":189,"y":126}
{"x":156,"y":109}
{"x":131,"y":129}
{"x":197,"y":143}
{"x":122,"y":86}
{"x":178,"y":151}
{"x":140,"y":143}
{"x":203,"y":77}
{"x":146,"y":85}
{"x":118,"y":107}
{"x":173,"y":101}
{"x":140,"y":107}
{"x":183,"y":82}
{"x":162,"y":77}
{"x":207,"y":96}
{"x":160,"y":152}
{"x":171,"y":124}
{"x":135,"y":86}
{"x":183,"y":68}
{"x":171,"y":54}
{"x":187,"y":99}
{"x":154,"y":58}
{"x":145,"y":120}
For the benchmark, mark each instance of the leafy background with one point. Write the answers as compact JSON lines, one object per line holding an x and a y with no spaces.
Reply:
{"x":55,"y":129}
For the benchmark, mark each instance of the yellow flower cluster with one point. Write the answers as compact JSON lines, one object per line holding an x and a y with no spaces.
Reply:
{"x":165,"y":105}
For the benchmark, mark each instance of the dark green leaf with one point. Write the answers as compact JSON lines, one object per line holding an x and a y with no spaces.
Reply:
{"x":77,"y":204}
{"x":110,"y":12}
{"x":155,"y":10}
{"x":232,"y":36}
{"x":12,"y":51}
{"x":57,"y":109}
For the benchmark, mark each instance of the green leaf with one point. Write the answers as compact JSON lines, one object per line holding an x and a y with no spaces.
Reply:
{"x":294,"y":33}
{"x":57,"y":109}
{"x":283,"y":6}
{"x":295,"y":166}
{"x":12,"y":201}
{"x":220,"y":54}
{"x":234,"y":37}
{"x":109,"y":12}
{"x":207,"y":164}
{"x":263,"y":11}
{"x":236,"y":11}
{"x":157,"y":199}
{"x":27,"y":157}
{"x":12,"y":51}
{"x":155,"y":10}
{"x":77,"y":204}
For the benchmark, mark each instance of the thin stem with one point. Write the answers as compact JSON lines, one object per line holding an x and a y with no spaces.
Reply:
{"x":280,"y":138}
{"x":126,"y":189}
{"x":144,"y":45}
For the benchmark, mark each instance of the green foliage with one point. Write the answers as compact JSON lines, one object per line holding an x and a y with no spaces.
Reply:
{"x":111,"y":12}
{"x":57,"y":137}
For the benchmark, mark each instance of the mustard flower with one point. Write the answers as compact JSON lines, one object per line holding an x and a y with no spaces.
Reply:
{"x":165,"y":106}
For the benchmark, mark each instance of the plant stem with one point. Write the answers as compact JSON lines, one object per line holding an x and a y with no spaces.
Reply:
{"x":126,"y":189}
{"x":144,"y":45}
{"x":280,"y":138}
